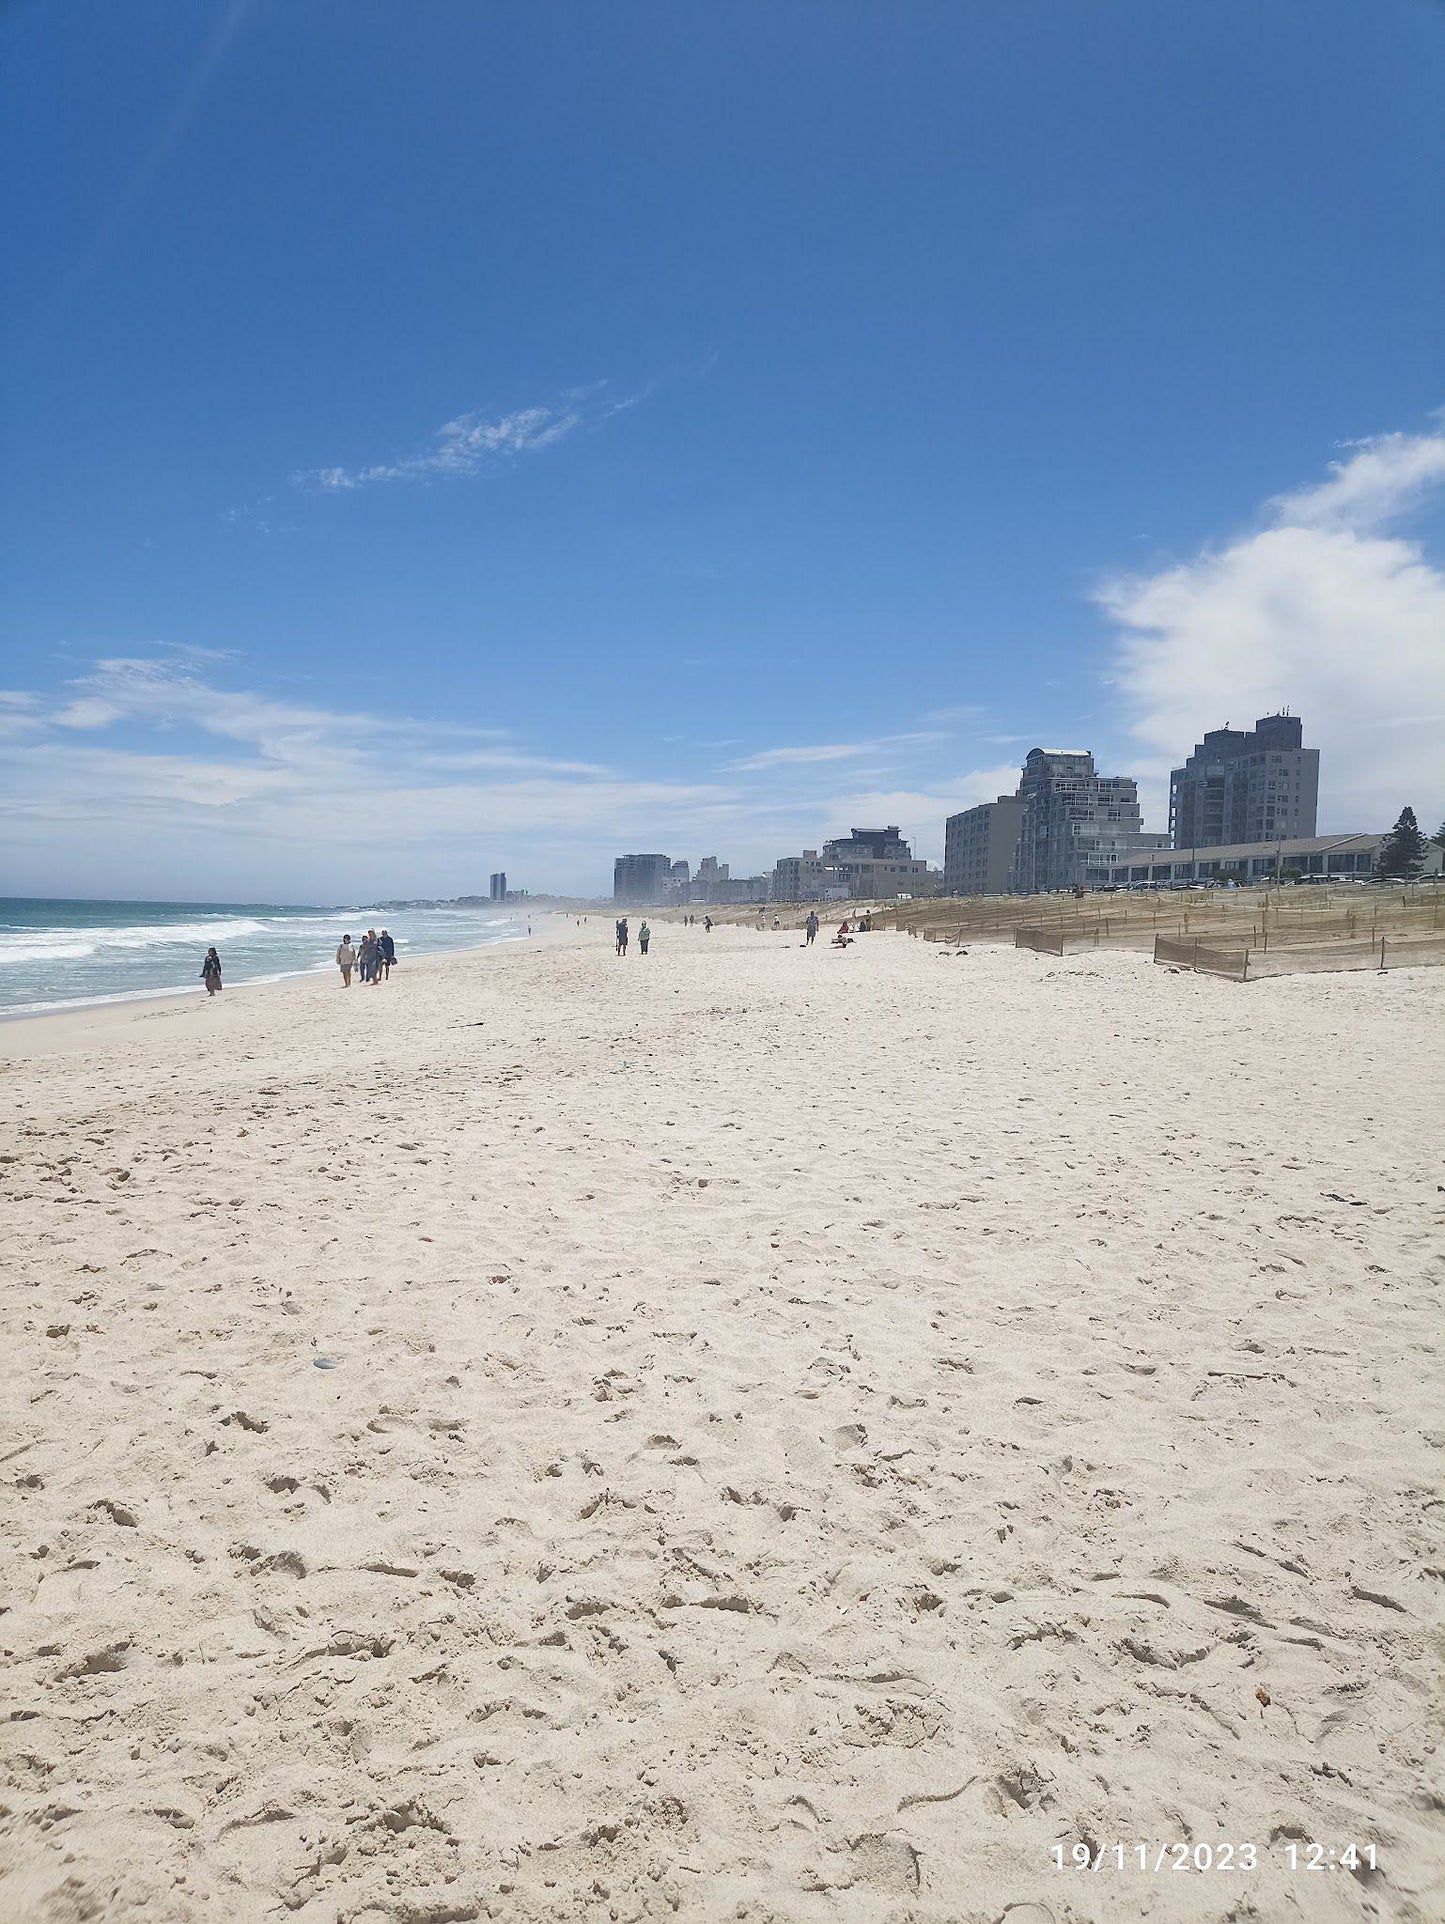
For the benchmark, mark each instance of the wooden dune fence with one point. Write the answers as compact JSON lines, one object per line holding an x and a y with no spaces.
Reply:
{"x":1300,"y":958}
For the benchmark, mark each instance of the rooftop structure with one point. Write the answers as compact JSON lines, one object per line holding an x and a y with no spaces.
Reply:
{"x":869,"y":844}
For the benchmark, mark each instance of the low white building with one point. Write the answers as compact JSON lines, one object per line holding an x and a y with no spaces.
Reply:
{"x":1347,"y":858}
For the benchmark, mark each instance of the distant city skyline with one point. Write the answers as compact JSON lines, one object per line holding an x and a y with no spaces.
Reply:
{"x":496,"y":439}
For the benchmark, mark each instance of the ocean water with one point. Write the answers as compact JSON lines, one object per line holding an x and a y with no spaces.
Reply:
{"x":60,"y":955}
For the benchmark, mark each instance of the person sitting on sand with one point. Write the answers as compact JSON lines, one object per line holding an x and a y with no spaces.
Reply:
{"x":842,"y":938}
{"x":345,"y":960}
{"x":644,"y":936}
{"x":211,"y":972}
{"x":386,"y":949}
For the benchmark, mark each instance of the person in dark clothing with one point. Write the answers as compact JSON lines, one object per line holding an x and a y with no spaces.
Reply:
{"x":386,"y":953}
{"x":622,"y":935}
{"x":211,"y":972}
{"x":810,"y":928}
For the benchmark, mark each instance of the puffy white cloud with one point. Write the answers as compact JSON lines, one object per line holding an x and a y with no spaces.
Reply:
{"x":1380,"y":478}
{"x":1322,"y":613}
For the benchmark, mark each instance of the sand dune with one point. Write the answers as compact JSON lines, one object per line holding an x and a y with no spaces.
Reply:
{"x":751,"y":1433}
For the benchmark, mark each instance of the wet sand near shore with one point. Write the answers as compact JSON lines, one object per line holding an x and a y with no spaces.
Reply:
{"x":750,"y":1432}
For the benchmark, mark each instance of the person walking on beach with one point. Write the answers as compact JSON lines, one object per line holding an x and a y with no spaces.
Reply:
{"x":211,"y":972}
{"x":810,"y":928}
{"x":644,"y":936}
{"x":386,"y":947}
{"x":368,"y":955}
{"x":345,"y":960}
{"x":707,"y":925}
{"x":622,"y":935}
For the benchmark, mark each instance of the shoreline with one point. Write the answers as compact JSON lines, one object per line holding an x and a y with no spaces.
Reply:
{"x":141,"y":1002}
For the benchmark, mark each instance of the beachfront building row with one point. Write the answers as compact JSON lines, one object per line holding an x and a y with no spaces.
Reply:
{"x":1067,"y":827}
{"x":655,"y":881}
{"x":866,"y":865}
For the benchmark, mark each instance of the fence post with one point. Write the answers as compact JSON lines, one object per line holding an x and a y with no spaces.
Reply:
{"x":1244,"y":968}
{"x":1382,"y":951}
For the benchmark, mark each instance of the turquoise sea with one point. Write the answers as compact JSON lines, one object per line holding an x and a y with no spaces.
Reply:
{"x":60,"y":955}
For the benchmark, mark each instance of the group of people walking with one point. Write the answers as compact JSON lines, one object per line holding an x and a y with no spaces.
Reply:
{"x":373,"y":956}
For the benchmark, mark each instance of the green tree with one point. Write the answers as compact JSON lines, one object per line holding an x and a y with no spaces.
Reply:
{"x":1402,"y":855}
{"x":1438,"y":838}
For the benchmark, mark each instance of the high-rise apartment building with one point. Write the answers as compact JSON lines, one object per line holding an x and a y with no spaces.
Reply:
{"x":499,"y":886}
{"x":638,"y":881}
{"x":979,"y":845}
{"x":1246,"y":785}
{"x":1077,"y":824}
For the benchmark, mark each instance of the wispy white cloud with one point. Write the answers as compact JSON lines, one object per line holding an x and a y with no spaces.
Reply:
{"x":960,"y":712}
{"x":147,"y":769}
{"x":161,"y":774}
{"x":832,"y":751}
{"x":1320,"y":611}
{"x":471,"y":443}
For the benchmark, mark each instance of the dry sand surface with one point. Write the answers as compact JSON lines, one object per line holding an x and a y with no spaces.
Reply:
{"x":804,"y":1433}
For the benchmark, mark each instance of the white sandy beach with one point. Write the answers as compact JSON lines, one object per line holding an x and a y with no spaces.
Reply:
{"x":806,"y":1433}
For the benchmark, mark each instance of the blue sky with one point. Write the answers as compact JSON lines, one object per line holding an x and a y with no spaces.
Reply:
{"x":449,"y":437}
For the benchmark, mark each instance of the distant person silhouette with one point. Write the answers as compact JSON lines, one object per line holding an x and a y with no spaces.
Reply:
{"x":211,"y":972}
